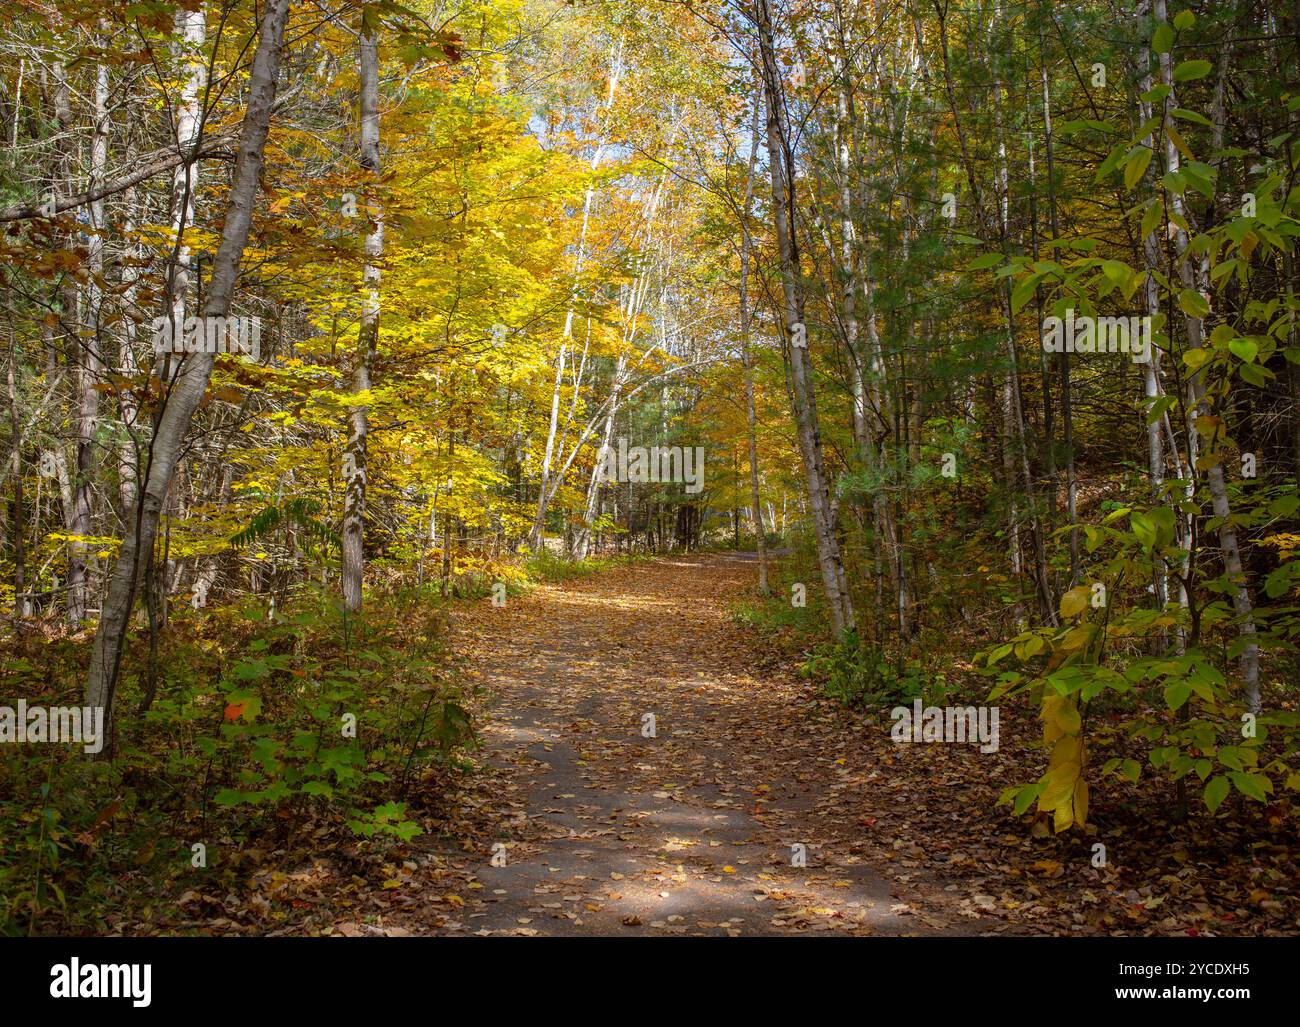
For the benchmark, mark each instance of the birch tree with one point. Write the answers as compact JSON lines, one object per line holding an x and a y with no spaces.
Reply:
{"x":354,"y":463}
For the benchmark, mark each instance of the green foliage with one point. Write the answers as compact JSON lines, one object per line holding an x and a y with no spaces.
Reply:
{"x":1168,"y":696}
{"x":252,"y":728}
{"x":545,"y":565}
{"x":301,"y":513}
{"x":859,"y":675}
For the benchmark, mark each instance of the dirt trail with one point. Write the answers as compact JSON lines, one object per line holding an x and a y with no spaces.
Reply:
{"x":692,"y":830}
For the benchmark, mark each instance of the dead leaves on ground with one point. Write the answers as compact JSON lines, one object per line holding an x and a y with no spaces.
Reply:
{"x":608,"y":831}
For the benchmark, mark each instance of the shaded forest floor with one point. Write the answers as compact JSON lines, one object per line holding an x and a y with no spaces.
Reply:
{"x":602,"y":830}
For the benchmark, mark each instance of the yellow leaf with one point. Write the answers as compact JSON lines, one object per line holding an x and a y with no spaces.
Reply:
{"x":1052,"y":729}
{"x":1059,"y":791}
{"x":1076,"y":638}
{"x":1064,"y":769}
{"x":1075,"y":601}
{"x":1068,"y":752}
{"x":1067,"y":717}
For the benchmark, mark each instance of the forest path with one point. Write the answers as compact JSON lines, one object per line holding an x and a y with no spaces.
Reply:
{"x":608,"y":831}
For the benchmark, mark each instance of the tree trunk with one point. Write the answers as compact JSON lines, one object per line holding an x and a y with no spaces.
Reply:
{"x":1191,"y":277}
{"x":545,"y":491}
{"x":192,"y":378}
{"x":354,"y":501}
{"x":781,"y":159}
{"x":746,"y":245}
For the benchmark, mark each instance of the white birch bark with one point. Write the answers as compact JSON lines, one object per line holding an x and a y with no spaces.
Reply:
{"x":354,"y":501}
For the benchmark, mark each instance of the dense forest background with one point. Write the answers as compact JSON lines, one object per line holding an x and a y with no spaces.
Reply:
{"x":481,"y":245}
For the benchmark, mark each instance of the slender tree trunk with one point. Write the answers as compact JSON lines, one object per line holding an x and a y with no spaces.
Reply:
{"x":1151,"y":388}
{"x":191,"y":26}
{"x":22,"y":605}
{"x":354,"y":502}
{"x":80,"y":363}
{"x":192,"y":379}
{"x":545,"y":491}
{"x":1191,"y":276}
{"x":784,"y":204}
{"x":583,"y":545}
{"x":751,"y":420}
{"x":1062,"y":359}
{"x":128,"y":409}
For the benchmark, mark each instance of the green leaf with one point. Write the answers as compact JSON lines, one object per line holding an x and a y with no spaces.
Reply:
{"x":1116,"y":270}
{"x":1216,"y":790}
{"x":1186,"y":115}
{"x":1162,"y":40}
{"x":1144,"y":529}
{"x":1284,"y":506}
{"x":1253,"y":786}
{"x":1156,"y":94}
{"x":1184,"y":20}
{"x":1111,"y":162}
{"x":1177,"y":693}
{"x":1136,"y":165}
{"x":1254,"y":374}
{"x":1200,"y":177}
{"x":1026,"y":797}
{"x":1151,"y":217}
{"x":1075,"y":601}
{"x":1024,"y":292}
{"x":1244,"y":349}
{"x":1193,"y":303}
{"x":1188,"y":71}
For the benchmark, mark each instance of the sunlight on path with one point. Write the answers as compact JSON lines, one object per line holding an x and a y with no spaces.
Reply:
{"x":691,"y":830}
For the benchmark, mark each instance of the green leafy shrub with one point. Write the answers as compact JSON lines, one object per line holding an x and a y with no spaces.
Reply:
{"x":258,"y":723}
{"x":857,"y":674}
